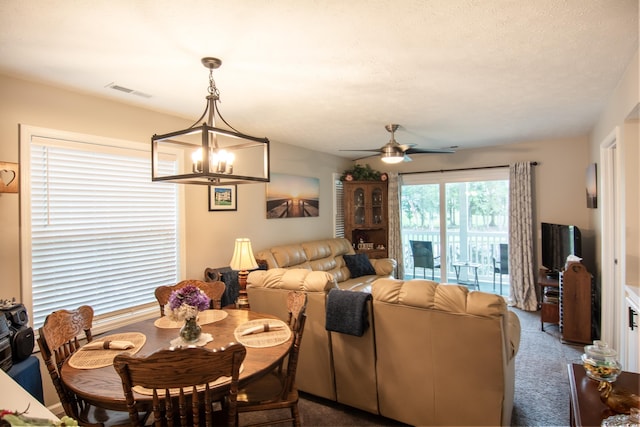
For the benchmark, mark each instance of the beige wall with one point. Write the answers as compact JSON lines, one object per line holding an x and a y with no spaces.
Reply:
{"x":631,"y":134}
{"x":559,"y":178}
{"x":622,"y":112}
{"x":209,"y":235}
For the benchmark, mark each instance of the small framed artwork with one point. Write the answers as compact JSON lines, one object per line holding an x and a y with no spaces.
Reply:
{"x":223,"y":198}
{"x":8,"y":177}
{"x":592,"y":187}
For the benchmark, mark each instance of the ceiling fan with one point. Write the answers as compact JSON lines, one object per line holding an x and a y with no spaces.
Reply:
{"x":392,"y":152}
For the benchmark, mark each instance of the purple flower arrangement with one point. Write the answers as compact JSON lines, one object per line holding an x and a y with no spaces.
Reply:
{"x":186,"y":302}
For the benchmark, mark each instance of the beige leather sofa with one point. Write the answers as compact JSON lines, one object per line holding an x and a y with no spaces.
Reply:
{"x":315,"y":267}
{"x":326,"y":255}
{"x":433,"y":355}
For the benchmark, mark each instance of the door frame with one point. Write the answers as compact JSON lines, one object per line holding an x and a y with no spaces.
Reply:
{"x":612,"y":226}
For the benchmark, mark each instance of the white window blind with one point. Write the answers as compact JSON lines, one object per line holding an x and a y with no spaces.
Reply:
{"x":102,"y":233}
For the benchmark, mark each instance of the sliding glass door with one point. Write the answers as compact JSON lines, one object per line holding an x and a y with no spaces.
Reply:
{"x":463,"y":218}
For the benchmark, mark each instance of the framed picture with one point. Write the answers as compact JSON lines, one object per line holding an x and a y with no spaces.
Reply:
{"x":223,"y":198}
{"x":291,"y":196}
{"x":592,"y":187}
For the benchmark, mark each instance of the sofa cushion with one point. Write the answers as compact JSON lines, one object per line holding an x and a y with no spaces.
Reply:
{"x":444,"y":297}
{"x":359,"y":265}
{"x":295,"y":279}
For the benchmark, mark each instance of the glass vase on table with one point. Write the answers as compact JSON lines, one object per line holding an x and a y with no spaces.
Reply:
{"x":191,"y":331}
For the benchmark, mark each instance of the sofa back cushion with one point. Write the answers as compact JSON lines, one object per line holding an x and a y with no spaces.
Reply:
{"x":294,"y":279}
{"x":318,"y":255}
{"x":444,"y":297}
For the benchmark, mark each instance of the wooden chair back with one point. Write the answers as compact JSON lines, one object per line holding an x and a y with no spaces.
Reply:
{"x":214,"y":291}
{"x":296,"y":305}
{"x":179,"y":381}
{"x":277,"y":390}
{"x":58,"y":340}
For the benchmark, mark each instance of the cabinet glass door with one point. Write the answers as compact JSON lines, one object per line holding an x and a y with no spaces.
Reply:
{"x":359,"y":206}
{"x":376,"y":204}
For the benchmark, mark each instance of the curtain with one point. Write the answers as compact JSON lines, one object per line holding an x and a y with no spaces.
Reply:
{"x":395,"y":239}
{"x":523,"y":279}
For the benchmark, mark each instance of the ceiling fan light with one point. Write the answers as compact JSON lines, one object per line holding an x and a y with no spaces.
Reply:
{"x":392,"y":158}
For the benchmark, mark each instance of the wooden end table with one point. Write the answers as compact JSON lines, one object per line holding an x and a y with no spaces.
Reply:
{"x":585,"y":406}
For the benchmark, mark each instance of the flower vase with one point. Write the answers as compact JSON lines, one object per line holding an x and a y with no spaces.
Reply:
{"x":191,"y":331}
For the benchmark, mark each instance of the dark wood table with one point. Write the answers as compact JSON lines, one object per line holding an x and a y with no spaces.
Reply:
{"x":102,"y":387}
{"x":585,"y":406}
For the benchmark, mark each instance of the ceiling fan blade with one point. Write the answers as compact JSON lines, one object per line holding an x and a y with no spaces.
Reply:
{"x":406,"y":147}
{"x":377,"y":150}
{"x":428,"y":150}
{"x":365,"y":157}
{"x":406,"y":158}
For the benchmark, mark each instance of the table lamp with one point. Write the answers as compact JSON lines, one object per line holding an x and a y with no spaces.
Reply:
{"x":242,"y":261}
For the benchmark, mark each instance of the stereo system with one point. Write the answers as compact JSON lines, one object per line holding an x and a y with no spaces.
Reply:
{"x":6,"y":362}
{"x":21,"y":336}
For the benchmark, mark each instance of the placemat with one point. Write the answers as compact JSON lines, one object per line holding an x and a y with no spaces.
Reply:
{"x":92,"y":359}
{"x":175,"y":391}
{"x":204,"y":317}
{"x":179,"y":342}
{"x":263,"y":339}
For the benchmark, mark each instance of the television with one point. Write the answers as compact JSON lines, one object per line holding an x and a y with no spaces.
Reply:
{"x":558,"y":242}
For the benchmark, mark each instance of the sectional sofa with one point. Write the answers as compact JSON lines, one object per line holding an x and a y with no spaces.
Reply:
{"x":432,"y":354}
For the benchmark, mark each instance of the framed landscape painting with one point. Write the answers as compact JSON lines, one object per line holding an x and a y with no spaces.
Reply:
{"x":223,"y":198}
{"x":292,"y":196}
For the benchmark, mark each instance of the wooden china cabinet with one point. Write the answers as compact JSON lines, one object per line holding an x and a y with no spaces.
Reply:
{"x":365,"y":221}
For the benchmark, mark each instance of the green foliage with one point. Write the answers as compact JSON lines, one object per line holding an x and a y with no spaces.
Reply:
{"x":360,"y":173}
{"x":484,"y":205}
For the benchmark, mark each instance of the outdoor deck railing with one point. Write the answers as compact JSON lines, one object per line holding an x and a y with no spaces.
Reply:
{"x":477,"y":247}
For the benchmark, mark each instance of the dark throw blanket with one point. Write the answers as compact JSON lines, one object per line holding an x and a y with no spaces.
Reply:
{"x":347,"y":312}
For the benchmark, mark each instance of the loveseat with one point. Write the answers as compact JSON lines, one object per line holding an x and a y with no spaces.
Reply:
{"x":330,"y":255}
{"x":433,"y":354}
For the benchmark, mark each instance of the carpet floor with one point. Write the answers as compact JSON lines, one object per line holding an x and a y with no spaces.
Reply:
{"x":541,"y":387}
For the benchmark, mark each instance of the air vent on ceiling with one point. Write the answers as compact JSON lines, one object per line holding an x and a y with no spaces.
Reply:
{"x":127,"y":90}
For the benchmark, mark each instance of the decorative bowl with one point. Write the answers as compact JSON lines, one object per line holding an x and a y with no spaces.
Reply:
{"x":600,"y":362}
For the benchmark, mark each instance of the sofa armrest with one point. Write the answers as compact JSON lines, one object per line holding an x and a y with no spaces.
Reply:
{"x":513,"y":333}
{"x":384,"y":266}
{"x":296,"y":279}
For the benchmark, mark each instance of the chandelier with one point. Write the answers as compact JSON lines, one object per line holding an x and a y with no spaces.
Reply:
{"x":209,"y":155}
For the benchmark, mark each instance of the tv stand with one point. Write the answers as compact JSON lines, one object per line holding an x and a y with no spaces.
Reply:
{"x":550,"y":293}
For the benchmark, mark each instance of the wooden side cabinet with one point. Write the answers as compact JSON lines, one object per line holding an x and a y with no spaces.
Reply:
{"x":550,"y":293}
{"x":576,"y":294}
{"x":366,"y":222}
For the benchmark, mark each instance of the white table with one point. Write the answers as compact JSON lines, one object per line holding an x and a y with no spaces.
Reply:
{"x":470,"y":265}
{"x":16,"y":398}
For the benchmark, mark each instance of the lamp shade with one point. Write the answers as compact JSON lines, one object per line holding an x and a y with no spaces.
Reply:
{"x":243,"y":258}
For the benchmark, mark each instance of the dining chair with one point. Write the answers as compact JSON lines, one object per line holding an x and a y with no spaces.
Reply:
{"x":501,"y":265}
{"x":422,"y":253}
{"x":58,"y":339}
{"x":277,"y":389}
{"x":182,"y":383}
{"x":214,"y":291}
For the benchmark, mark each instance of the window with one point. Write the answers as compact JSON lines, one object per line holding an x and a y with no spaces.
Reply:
{"x":465,"y":216}
{"x":95,"y":229}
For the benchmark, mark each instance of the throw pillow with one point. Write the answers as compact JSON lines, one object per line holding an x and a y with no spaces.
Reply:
{"x":359,"y":265}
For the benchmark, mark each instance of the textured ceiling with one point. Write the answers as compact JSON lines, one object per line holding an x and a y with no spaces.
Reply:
{"x":330,"y":74}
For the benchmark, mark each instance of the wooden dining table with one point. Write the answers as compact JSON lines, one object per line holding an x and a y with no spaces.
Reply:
{"x":102,"y":386}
